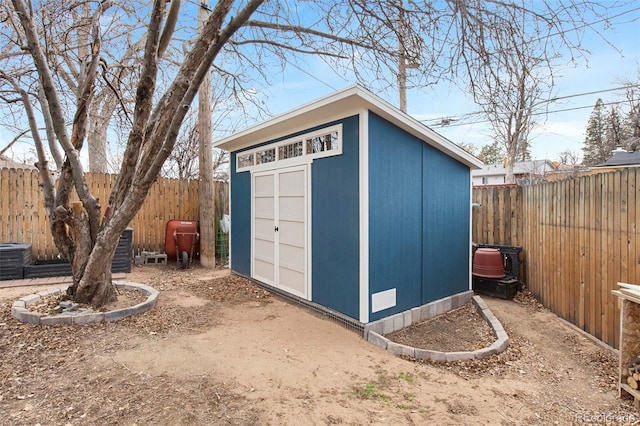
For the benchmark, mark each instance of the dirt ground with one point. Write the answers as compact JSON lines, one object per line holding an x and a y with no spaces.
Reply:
{"x":218,"y":350}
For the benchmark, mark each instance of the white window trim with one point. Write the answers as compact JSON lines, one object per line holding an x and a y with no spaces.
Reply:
{"x":302,"y":159}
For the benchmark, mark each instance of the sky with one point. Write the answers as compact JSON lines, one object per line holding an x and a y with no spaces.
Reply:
{"x":610,"y":62}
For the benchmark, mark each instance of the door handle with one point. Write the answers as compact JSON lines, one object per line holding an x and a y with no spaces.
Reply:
{"x":276,"y":229}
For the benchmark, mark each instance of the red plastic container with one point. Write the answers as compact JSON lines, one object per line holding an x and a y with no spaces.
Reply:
{"x":487,"y":263}
{"x":182,"y":241}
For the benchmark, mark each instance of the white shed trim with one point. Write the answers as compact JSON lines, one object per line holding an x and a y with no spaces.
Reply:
{"x":343,"y":103}
{"x":364,"y":216}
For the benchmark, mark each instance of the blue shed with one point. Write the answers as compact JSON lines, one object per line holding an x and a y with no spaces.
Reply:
{"x":351,"y":204}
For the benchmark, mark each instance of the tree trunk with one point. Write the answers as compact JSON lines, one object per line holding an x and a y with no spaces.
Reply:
{"x":510,"y":160}
{"x":97,"y":291}
{"x":95,"y":287}
{"x":81,"y":236}
{"x":90,"y":262}
{"x":207,"y":215}
{"x":97,"y":146}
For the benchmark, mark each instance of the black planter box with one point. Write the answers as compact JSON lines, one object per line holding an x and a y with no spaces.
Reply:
{"x":47,"y":268}
{"x":504,"y":288}
{"x":13,"y":258}
{"x":58,"y":268}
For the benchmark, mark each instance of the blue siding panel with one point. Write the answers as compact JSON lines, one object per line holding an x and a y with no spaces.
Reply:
{"x":335,"y":225}
{"x":395,"y":214}
{"x":240,"y":220}
{"x":446,"y":206}
{"x":418,"y":219}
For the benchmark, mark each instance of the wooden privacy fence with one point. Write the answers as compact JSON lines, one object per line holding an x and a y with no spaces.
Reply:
{"x":23,"y":217}
{"x":579,"y":238}
{"x":497,"y":215}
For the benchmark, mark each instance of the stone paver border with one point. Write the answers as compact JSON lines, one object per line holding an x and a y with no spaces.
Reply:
{"x":374,"y":332}
{"x":20,"y":308}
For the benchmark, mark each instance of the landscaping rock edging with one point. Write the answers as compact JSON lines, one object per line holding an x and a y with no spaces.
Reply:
{"x":20,"y":308}
{"x":374,"y":332}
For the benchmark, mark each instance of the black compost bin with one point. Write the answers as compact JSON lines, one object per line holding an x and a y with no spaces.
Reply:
{"x":13,"y":257}
{"x":58,"y":268}
{"x":124,"y":252}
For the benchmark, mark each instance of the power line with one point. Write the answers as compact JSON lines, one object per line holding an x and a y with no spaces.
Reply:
{"x":201,"y":3}
{"x":446,"y":121}
{"x":574,"y":28}
{"x":595,"y":92}
{"x":587,"y":25}
{"x":312,"y":76}
{"x":537,"y":113}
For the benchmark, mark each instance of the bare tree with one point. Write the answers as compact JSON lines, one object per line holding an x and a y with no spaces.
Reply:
{"x":510,"y":81}
{"x":569,"y":158}
{"x":631,"y":140}
{"x":242,"y":40}
{"x":85,"y":237}
{"x":435,"y":39}
{"x":183,"y":163}
{"x":64,"y":28}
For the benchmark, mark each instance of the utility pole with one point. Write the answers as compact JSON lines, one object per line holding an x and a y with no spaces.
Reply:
{"x":408,"y":54}
{"x":207,"y":215}
{"x":402,"y":60}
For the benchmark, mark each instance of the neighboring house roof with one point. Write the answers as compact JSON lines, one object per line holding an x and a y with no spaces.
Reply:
{"x":490,"y":170}
{"x":10,"y":164}
{"x":535,"y":167}
{"x":334,"y":106}
{"x":622,"y":158}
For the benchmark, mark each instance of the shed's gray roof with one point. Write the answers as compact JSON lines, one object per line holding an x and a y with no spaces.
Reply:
{"x":622,"y":158}
{"x":341,"y":104}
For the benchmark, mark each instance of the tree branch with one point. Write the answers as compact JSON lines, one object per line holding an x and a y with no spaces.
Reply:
{"x":186,"y":84}
{"x":169,"y":27}
{"x":296,"y":29}
{"x":142,"y":109}
{"x":289,"y":48}
{"x":45,"y":174}
{"x":14,"y":140}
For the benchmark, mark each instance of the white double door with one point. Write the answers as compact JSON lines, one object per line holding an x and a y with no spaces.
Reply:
{"x":279,"y":229}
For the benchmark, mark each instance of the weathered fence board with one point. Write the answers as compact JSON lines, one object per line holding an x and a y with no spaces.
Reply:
{"x":579,"y":237}
{"x":24,"y":219}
